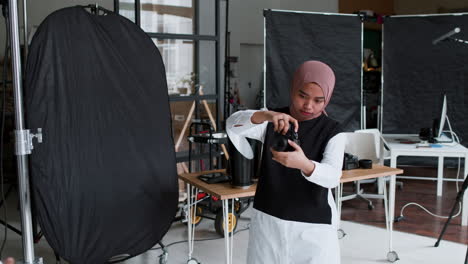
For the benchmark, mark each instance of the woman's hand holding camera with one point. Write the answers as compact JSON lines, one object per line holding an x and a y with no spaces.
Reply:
{"x":295,"y":159}
{"x":8,"y":261}
{"x":281,"y":121}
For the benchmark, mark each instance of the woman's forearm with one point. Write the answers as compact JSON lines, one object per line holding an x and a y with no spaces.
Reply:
{"x":308,"y":168}
{"x":258,"y":117}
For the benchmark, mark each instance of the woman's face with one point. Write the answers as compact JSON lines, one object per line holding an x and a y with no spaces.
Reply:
{"x":307,"y":102}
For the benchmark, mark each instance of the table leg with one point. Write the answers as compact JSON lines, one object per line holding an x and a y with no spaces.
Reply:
{"x":338,"y":200}
{"x":227,"y":239}
{"x":391,"y":198}
{"x":189,"y":220}
{"x":392,"y":256}
{"x":191,"y":203}
{"x":337,"y":192}
{"x":381,"y":184}
{"x":384,"y":190}
{"x":232,"y":235}
{"x":440,"y":175}
{"x":391,"y":208}
{"x":339,"y":203}
{"x":464,"y":221}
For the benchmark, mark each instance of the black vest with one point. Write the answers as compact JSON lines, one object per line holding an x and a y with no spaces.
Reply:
{"x":283,"y":192}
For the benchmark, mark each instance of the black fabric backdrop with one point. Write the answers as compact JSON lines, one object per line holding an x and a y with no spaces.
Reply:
{"x":417,"y":73}
{"x":292,"y":38}
{"x":104,"y":179}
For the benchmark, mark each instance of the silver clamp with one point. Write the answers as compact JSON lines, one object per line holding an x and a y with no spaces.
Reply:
{"x":24,"y":141}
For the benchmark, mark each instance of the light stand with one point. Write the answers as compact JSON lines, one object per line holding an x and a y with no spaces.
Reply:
{"x":227,"y":66}
{"x":23,"y":139}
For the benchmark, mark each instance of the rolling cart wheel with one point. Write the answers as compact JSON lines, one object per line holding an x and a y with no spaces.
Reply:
{"x":197,"y":218}
{"x":219,"y":223}
{"x":341,"y":233}
{"x":370,"y":206}
{"x":392,"y":256}
{"x":192,"y":261}
{"x":163,"y":258}
{"x":237,"y":206}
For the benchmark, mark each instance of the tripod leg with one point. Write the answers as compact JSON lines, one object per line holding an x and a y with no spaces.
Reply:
{"x":446,"y":223}
{"x":457,"y":201}
{"x":12,"y":228}
{"x":6,"y":194}
{"x":466,"y":257}
{"x":57,"y":258}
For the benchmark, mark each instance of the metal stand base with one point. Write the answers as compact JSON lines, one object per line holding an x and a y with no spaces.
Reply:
{"x":192,"y":261}
{"x":36,"y":261}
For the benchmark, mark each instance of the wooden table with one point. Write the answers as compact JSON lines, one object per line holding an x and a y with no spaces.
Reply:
{"x":225,"y":192}
{"x":365,"y":174}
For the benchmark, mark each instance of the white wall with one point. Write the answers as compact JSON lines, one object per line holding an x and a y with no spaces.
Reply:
{"x":246,"y":17}
{"x":246,"y":27}
{"x":403,"y":7}
{"x":250,"y":70}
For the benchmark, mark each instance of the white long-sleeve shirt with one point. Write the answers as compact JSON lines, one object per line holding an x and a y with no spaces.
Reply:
{"x":327,"y":172}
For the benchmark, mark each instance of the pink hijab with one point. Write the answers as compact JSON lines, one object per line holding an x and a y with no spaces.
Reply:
{"x":316,"y":72}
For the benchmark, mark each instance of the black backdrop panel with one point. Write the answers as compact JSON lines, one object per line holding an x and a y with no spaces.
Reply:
{"x":417,"y":73}
{"x":292,"y":38}
{"x":104,"y":179}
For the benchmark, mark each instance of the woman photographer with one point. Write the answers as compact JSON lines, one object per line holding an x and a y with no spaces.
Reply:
{"x":295,"y":218}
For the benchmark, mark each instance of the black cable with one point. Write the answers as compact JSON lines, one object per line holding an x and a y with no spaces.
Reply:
{"x":2,"y":128}
{"x":174,"y":243}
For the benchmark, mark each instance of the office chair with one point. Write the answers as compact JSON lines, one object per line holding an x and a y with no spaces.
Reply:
{"x":383,"y":153}
{"x":364,"y":146}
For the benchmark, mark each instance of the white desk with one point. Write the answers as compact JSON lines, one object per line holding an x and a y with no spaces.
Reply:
{"x":458,"y":151}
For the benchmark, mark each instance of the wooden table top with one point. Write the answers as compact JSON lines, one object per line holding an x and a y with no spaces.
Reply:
{"x":364,"y":174}
{"x":227,"y":191}
{"x":221,"y":190}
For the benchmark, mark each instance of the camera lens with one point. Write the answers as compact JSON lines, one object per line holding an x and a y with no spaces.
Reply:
{"x":279,"y":142}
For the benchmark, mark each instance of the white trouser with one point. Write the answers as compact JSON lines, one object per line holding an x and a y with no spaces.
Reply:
{"x":273,"y":240}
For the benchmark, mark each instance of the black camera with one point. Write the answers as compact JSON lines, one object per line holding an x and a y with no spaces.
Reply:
{"x":350,"y":162}
{"x":280,"y":141}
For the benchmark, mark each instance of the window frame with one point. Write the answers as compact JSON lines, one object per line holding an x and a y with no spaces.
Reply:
{"x":196,"y":37}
